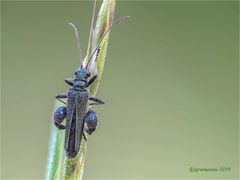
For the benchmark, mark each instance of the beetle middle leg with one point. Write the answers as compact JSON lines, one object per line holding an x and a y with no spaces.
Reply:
{"x":95,"y":101}
{"x":59,"y":116}
{"x":60,"y":97}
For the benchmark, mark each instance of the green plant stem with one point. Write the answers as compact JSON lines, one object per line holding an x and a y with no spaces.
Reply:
{"x":60,"y":166}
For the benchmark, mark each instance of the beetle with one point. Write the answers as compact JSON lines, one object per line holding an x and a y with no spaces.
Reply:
{"x":79,"y":117}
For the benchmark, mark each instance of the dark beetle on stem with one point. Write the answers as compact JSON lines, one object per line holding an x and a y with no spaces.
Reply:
{"x":76,"y":112}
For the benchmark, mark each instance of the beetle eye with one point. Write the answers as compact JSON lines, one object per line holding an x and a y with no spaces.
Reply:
{"x":76,"y":72}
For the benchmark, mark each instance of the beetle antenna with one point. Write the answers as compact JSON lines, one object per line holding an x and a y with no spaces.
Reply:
{"x":78,"y":41}
{"x":104,"y":35}
{"x":91,"y":29}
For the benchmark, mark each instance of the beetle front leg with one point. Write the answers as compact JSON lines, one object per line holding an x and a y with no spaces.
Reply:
{"x":69,"y":81}
{"x":59,"y":116}
{"x":91,"y":121}
{"x":92,"y":80}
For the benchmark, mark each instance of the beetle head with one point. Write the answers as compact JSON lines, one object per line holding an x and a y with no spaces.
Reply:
{"x":82,"y":74}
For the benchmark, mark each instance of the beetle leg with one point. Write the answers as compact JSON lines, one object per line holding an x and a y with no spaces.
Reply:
{"x":92,"y":80}
{"x":96,"y":101}
{"x":59,"y":116}
{"x":84,"y":136}
{"x":91,"y":121}
{"x":69,"y":81}
{"x":61,"y":96}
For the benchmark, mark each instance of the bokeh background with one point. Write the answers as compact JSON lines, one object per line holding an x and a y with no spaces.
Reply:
{"x":170,"y":82}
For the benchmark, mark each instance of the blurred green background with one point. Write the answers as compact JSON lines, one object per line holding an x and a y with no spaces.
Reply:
{"x":170,"y":84}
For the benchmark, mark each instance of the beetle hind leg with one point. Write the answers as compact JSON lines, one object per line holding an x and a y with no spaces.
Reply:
{"x":59,"y":116}
{"x":84,"y":136}
{"x":91,"y":121}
